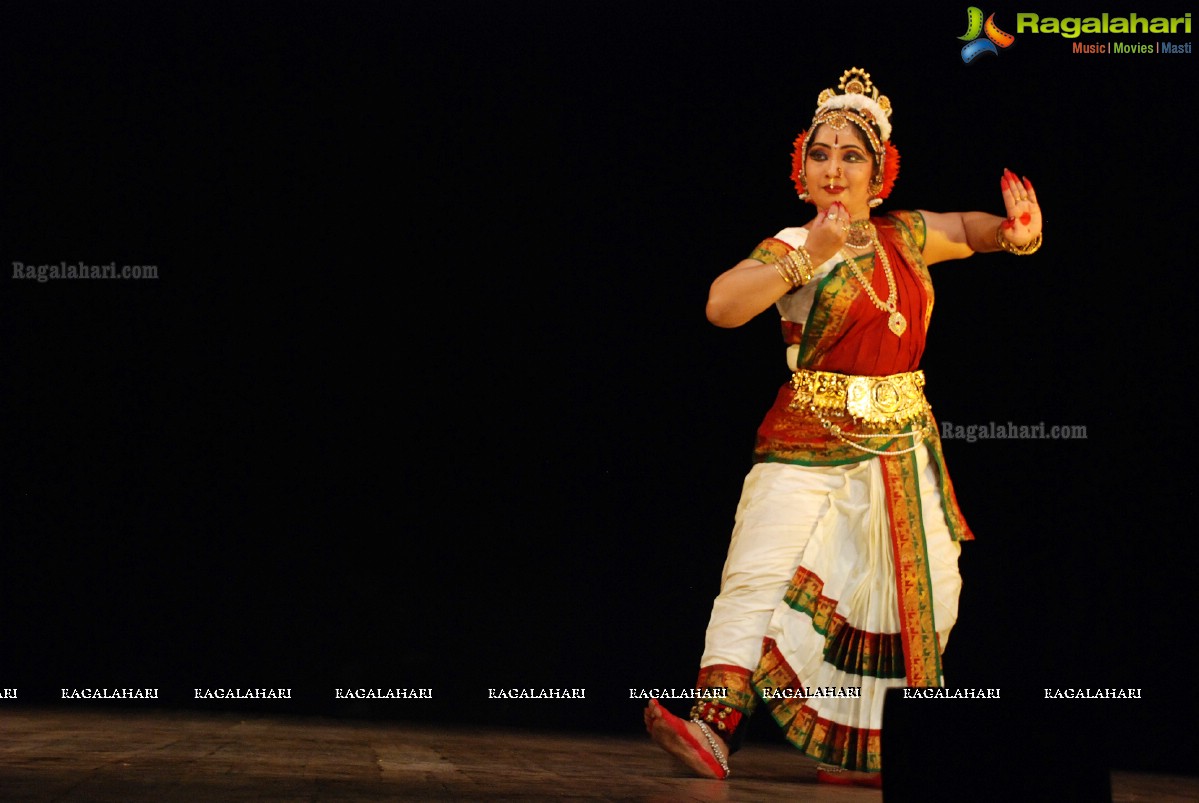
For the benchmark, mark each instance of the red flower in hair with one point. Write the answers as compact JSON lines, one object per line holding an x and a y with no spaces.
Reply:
{"x":797,"y":163}
{"x":890,"y":170}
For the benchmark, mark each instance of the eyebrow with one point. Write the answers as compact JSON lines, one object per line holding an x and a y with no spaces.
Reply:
{"x":853,"y":145}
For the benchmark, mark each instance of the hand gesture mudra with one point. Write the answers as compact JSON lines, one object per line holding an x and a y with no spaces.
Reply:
{"x":1021,"y":230}
{"x":827,"y":232}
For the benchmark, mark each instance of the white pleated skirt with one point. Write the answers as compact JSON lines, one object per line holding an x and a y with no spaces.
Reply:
{"x":811,"y":569}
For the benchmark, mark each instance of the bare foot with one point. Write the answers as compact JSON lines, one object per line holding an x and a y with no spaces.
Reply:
{"x":687,"y":742}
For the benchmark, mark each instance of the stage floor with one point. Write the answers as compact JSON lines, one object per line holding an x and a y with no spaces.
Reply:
{"x":51,"y":755}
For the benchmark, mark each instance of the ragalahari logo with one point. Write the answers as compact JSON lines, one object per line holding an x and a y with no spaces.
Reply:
{"x":975,"y":26}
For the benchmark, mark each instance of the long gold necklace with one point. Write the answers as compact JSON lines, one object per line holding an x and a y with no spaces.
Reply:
{"x":895,"y":320}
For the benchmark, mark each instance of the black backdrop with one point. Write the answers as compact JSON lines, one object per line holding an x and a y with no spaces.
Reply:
{"x":423,"y":395}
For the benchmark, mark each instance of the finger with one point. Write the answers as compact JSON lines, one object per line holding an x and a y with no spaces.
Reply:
{"x":837,"y":211}
{"x":1009,"y":196}
{"x":1018,"y":190}
{"x":1010,"y":181}
{"x":844,"y":218}
{"x":1032,"y":194}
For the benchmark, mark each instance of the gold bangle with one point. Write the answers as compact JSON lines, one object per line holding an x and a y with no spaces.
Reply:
{"x":795,"y":267}
{"x":801,"y":255}
{"x":787,"y":263}
{"x":778,"y":268}
{"x":1019,"y":250}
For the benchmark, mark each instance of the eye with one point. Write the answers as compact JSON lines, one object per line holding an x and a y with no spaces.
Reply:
{"x":818,"y":156}
{"x":854,"y":156}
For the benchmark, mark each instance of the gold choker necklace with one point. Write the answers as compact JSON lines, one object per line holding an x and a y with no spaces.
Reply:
{"x":895,"y":320}
{"x":860,"y":234}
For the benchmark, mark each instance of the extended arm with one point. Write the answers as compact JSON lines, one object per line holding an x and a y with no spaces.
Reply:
{"x":956,"y":235}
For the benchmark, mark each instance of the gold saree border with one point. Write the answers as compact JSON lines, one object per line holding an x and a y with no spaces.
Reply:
{"x":913,"y":581}
{"x":737,"y":680}
{"x":847,"y":648}
{"x":823,"y":739}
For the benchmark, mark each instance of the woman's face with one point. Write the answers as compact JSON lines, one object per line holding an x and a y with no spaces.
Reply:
{"x":839,"y":168}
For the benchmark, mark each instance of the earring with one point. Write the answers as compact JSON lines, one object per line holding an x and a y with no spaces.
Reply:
{"x":876,"y":187}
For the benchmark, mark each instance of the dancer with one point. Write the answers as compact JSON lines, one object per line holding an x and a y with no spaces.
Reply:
{"x":841,"y":579}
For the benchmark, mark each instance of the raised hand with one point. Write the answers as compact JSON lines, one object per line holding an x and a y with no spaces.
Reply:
{"x":826,"y":235}
{"x":1023,"y":223}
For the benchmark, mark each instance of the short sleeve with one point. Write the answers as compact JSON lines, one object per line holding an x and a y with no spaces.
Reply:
{"x":770,"y":250}
{"x":912,"y":226}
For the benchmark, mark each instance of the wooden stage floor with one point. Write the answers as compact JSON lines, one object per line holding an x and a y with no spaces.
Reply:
{"x":97,"y":757}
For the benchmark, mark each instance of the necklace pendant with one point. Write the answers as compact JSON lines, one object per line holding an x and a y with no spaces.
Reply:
{"x":897,"y":323}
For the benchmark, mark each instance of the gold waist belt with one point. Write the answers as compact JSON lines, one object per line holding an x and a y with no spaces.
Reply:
{"x":893,"y":400}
